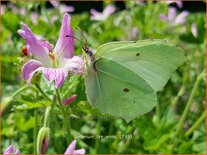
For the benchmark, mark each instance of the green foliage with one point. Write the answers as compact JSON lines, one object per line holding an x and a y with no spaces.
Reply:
{"x":154,"y":132}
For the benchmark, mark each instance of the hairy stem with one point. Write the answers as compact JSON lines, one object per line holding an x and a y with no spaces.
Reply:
{"x":42,"y":92}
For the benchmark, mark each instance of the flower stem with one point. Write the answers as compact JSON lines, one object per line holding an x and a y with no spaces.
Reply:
{"x":97,"y":141}
{"x":35,"y":130}
{"x":196,"y":124}
{"x":21,"y":90}
{"x":66,"y":120}
{"x":42,"y":92}
{"x":6,"y":102}
{"x":180,"y":93}
{"x":47,"y":114}
{"x":180,"y":123}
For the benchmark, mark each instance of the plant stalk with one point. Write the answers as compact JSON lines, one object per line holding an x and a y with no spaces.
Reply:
{"x":184,"y":115}
{"x":196,"y":124}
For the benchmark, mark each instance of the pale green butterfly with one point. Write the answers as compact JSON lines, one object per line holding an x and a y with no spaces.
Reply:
{"x":123,"y":77}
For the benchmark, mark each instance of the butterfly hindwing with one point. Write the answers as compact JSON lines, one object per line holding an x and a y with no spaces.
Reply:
{"x":122,"y":94}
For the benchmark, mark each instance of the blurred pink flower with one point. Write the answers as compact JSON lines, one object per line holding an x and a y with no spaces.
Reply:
{"x":179,"y":3}
{"x":54,"y":65}
{"x":54,"y":3}
{"x":71,"y":149}
{"x":14,"y":9}
{"x":69,"y":100}
{"x":22,"y":11}
{"x":194,"y":30}
{"x":101,"y":16}
{"x":2,"y":7}
{"x":62,"y":7}
{"x":10,"y":150}
{"x":34,"y":17}
{"x":134,"y":33}
{"x":173,"y":19}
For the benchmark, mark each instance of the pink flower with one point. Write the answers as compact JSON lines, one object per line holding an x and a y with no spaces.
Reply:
{"x":54,"y":64}
{"x":134,"y":33}
{"x":69,"y":100}
{"x":62,"y":8}
{"x":194,"y":30}
{"x":173,"y":19}
{"x":71,"y":149}
{"x":101,"y":16}
{"x":10,"y":150}
{"x":2,"y":8}
{"x":34,"y":17}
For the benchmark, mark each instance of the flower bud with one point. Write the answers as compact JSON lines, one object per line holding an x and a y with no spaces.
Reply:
{"x":69,"y":100}
{"x":25,"y":51}
{"x":43,"y":140}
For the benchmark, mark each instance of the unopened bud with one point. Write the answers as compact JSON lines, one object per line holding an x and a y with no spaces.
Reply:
{"x":25,"y":51}
{"x":43,"y":140}
{"x":69,"y":100}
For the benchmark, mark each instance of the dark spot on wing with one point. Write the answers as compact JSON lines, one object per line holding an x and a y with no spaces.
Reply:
{"x":67,"y":36}
{"x":137,"y":54}
{"x":126,"y":90}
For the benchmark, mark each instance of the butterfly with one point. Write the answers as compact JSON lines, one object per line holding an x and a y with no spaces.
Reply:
{"x":123,"y":77}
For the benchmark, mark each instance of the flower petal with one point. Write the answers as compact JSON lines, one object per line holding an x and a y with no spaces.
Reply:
{"x":58,"y":75}
{"x":65,"y":45}
{"x":9,"y":150}
{"x":29,"y":68}
{"x":74,"y":65}
{"x":95,"y":15}
{"x":181,"y":18}
{"x":171,"y":13}
{"x":65,"y":8}
{"x":109,"y":10}
{"x":17,"y":152}
{"x":179,"y":4}
{"x":71,"y":147}
{"x":45,"y":44}
{"x":34,"y":46}
{"x":79,"y":151}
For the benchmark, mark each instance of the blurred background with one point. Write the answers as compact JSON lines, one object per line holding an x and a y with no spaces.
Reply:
{"x":182,"y":23}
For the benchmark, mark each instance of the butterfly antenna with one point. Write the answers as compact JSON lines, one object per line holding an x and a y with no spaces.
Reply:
{"x":74,"y":38}
{"x":82,"y":35}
